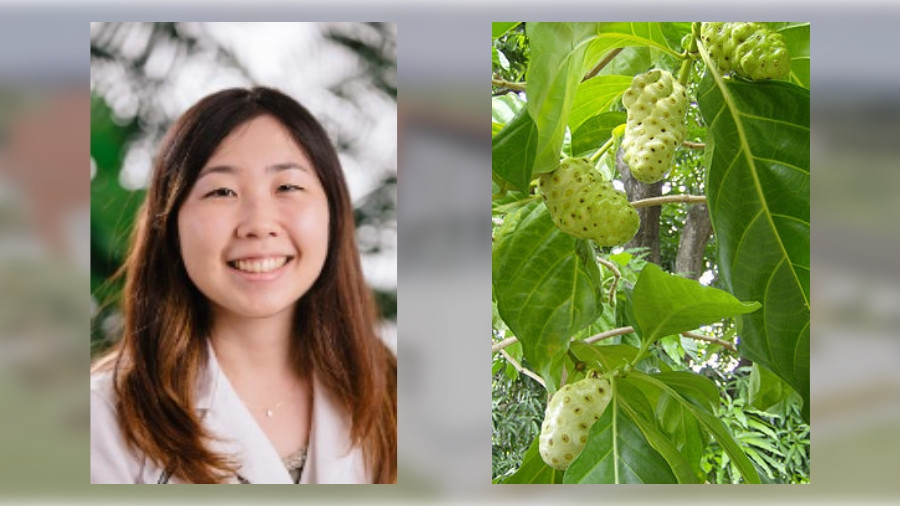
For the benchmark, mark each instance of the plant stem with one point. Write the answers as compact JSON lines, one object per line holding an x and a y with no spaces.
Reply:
{"x":667,"y":199}
{"x":701,"y":337}
{"x":621,"y":331}
{"x":693,"y":145}
{"x":615,"y":270}
{"x":684,"y":74}
{"x":523,"y":370}
{"x":499,"y":345}
{"x":596,"y":156}
{"x":502,"y":83}
{"x":602,"y":63}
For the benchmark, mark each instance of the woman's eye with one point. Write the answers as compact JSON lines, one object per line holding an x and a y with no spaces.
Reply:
{"x":221,"y":192}
{"x":289,"y":188}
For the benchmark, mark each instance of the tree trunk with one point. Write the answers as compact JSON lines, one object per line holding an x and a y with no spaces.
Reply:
{"x":648,"y":234}
{"x":692,"y":245}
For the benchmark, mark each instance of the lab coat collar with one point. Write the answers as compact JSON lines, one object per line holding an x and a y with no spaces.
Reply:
{"x":331,"y":458}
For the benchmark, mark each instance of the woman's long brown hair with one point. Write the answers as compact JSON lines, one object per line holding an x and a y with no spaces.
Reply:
{"x":162,"y":351}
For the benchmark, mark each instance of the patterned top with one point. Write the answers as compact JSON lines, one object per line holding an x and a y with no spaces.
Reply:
{"x":294,"y":464}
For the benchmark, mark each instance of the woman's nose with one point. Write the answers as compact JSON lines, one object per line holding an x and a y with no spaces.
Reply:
{"x":258,"y":219}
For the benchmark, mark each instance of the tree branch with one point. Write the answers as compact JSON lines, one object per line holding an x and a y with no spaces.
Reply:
{"x":666,"y":199}
{"x":502,"y":83}
{"x":709,"y":339}
{"x":602,"y":63}
{"x":499,"y":345}
{"x":523,"y":370}
{"x":608,"y":334}
{"x":693,"y":145}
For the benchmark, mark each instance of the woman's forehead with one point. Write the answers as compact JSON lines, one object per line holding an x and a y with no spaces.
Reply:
{"x":263,"y":140}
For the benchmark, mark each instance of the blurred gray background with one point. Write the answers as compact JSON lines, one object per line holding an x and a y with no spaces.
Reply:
{"x":444,"y":249}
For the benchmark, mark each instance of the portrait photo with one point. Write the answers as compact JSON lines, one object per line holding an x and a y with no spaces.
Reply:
{"x":243,"y":253}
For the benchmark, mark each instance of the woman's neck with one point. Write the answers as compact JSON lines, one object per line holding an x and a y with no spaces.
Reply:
{"x":253,"y":347}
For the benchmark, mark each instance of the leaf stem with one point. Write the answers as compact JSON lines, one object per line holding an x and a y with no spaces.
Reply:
{"x":596,"y":156}
{"x":668,"y":199}
{"x":505,"y":208}
{"x":602,"y":63}
{"x":684,"y":74}
{"x":615,"y":270}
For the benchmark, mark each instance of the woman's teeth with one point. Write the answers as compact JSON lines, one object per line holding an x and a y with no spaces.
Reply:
{"x":259,"y":266}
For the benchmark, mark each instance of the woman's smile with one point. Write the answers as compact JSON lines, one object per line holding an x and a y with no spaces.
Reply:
{"x":254,"y":228}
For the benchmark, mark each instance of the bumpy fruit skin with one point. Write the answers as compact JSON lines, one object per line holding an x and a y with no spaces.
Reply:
{"x":656,"y":105}
{"x":747,"y":49}
{"x":581,"y":204}
{"x":568,"y":419}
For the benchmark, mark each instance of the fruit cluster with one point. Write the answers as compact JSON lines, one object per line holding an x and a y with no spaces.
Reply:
{"x":568,"y":419}
{"x":749,"y":50}
{"x":581,"y":204}
{"x":656,"y":105}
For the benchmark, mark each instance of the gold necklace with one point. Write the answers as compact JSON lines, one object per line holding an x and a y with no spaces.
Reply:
{"x":270,"y":410}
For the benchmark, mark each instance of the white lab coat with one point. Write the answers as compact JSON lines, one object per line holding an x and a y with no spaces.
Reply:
{"x":330,"y":458}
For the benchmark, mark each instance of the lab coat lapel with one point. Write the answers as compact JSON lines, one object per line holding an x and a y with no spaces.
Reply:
{"x":331,"y":457}
{"x":237,"y":433}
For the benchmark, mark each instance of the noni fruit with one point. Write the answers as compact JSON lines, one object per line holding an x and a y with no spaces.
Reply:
{"x":581,"y":204}
{"x":656,"y":105}
{"x":568,"y":419}
{"x":747,"y":49}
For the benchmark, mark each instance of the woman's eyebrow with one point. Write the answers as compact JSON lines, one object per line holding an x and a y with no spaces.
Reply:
{"x":231,"y":169}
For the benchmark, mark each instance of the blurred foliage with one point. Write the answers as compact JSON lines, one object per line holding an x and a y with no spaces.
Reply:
{"x":776,"y":439}
{"x":132,"y":65}
{"x":518,"y":404}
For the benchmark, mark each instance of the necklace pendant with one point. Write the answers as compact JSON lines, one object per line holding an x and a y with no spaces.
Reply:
{"x":269,"y":412}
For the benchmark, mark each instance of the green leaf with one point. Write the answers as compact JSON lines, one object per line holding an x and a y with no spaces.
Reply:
{"x":684,"y":430}
{"x":498,"y":28}
{"x":758,"y":198}
{"x":610,"y":356}
{"x":513,"y":150}
{"x":546,"y":284}
{"x":709,"y":422}
{"x":618,"y":452}
{"x":766,"y":389}
{"x":596,"y":96}
{"x":796,"y":38}
{"x":636,"y":406}
{"x":554,"y":72}
{"x":615,"y":35}
{"x":533,"y":468}
{"x":595,"y":131}
{"x":698,"y":389}
{"x":505,"y":107}
{"x":666,"y":304}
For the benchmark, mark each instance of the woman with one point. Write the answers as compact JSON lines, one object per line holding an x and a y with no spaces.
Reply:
{"x":249,"y":353}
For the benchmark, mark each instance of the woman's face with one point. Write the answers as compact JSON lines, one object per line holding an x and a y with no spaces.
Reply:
{"x":254,"y":228}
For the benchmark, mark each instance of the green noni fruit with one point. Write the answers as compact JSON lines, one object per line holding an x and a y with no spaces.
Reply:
{"x":747,"y":49}
{"x":568,"y":419}
{"x":656,"y":105}
{"x":581,"y":204}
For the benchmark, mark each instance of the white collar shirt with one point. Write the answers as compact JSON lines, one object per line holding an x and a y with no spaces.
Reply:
{"x":331,"y":458}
